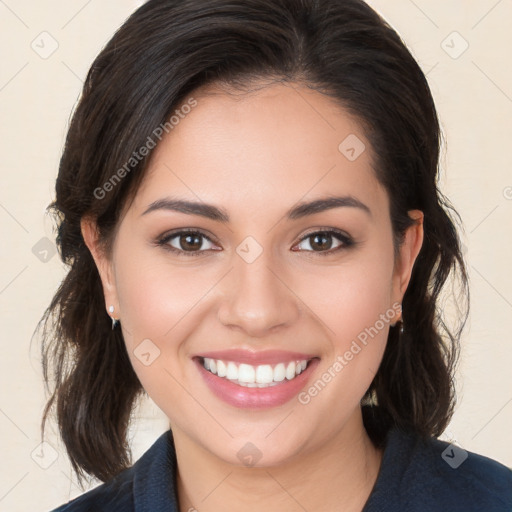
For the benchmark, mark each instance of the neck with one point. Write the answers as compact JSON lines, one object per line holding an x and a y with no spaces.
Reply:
{"x":338,"y":475}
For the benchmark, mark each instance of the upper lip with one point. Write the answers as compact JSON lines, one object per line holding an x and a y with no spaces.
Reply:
{"x":240,"y":355}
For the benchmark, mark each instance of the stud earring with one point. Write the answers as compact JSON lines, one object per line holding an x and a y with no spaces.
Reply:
{"x":114,"y":320}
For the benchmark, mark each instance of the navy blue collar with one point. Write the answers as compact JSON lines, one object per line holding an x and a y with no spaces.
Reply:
{"x":154,"y":474}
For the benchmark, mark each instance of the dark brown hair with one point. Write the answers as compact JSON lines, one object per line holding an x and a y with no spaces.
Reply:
{"x":159,"y":56}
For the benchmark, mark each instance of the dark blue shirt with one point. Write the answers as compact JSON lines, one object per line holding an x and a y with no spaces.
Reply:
{"x":415,"y":476}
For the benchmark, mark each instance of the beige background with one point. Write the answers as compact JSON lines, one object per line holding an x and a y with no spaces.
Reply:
{"x":473,"y":91}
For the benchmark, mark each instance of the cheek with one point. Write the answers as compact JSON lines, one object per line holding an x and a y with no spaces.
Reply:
{"x":158,"y":304}
{"x":155,"y":297}
{"x":352,"y":297}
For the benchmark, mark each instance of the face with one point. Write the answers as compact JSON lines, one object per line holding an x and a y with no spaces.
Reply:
{"x":257,"y":274}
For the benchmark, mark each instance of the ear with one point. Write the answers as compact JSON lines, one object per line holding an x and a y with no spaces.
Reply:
{"x":104,"y":264}
{"x":408,"y":252}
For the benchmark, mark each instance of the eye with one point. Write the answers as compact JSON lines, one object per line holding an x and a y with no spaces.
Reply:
{"x":188,"y":243}
{"x":324,"y":241}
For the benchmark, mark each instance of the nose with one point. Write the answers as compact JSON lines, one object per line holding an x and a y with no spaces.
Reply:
{"x":257,"y":298}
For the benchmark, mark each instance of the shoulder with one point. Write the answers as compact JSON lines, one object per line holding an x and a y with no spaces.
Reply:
{"x":462,"y":479}
{"x":478,"y":478}
{"x":141,"y":486}
{"x":429,"y":474}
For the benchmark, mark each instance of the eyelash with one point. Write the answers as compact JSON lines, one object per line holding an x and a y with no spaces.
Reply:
{"x":163,"y":241}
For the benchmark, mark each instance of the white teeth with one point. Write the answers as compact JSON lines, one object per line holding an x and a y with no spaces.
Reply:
{"x":221,"y":368}
{"x":255,"y":376}
{"x":290,"y":371}
{"x":246,"y":373}
{"x":279,"y":372}
{"x":232,"y":371}
{"x":264,"y":374}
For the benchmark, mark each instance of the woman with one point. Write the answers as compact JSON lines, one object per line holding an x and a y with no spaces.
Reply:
{"x":248,"y":204}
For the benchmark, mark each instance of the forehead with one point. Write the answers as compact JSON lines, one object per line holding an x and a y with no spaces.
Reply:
{"x":275,"y":144}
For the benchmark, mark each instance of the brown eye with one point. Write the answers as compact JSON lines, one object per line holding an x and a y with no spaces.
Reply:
{"x":188,"y":243}
{"x":325,"y":241}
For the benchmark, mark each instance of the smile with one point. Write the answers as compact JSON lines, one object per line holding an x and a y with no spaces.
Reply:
{"x":264,"y":375}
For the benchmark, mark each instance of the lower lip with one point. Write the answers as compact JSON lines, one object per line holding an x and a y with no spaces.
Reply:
{"x":256,"y":398}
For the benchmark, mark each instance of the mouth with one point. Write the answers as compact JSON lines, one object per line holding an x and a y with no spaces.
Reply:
{"x":255,"y":386}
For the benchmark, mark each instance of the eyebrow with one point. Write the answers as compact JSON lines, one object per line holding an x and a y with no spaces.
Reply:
{"x":218,"y":214}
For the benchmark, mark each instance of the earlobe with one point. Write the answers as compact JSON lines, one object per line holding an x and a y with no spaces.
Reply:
{"x":104,"y":264}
